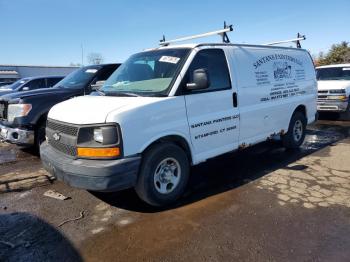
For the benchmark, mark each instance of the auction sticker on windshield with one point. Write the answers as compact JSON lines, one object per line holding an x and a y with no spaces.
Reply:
{"x":169,"y":59}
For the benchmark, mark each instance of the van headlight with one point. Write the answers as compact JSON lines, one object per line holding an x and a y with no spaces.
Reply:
{"x":17,"y":110}
{"x":99,"y":142}
{"x":106,"y":135}
{"x":98,"y":135}
{"x":341,"y":97}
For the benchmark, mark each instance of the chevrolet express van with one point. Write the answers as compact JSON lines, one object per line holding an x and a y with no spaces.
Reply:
{"x":333,"y":88}
{"x":171,"y":107}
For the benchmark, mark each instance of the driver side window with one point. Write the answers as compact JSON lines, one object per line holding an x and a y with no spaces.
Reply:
{"x":35,"y":84}
{"x":214,"y":62}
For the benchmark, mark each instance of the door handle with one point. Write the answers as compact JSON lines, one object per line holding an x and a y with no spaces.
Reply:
{"x":234,"y":99}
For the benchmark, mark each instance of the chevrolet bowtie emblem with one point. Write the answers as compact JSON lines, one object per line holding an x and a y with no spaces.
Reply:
{"x":56,"y":136}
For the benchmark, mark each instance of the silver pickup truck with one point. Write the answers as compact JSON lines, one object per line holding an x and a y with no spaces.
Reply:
{"x":333,"y":88}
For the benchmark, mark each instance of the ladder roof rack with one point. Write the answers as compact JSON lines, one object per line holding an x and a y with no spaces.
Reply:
{"x":226,"y":40}
{"x":221,"y":32}
{"x":295,"y":40}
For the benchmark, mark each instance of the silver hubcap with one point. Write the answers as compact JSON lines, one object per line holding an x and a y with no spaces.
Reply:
{"x":167,"y":175}
{"x":298,"y":130}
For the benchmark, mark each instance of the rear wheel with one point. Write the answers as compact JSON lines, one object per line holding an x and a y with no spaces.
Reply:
{"x":163,"y":175}
{"x":296,"y":131}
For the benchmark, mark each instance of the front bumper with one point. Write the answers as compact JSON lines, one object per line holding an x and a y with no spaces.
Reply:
{"x":17,"y":135}
{"x":332,"y":106}
{"x":95,"y":175}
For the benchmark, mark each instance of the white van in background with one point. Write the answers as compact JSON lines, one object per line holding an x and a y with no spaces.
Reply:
{"x":333,"y":88}
{"x":171,"y":107}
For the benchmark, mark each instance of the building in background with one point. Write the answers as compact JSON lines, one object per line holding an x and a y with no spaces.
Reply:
{"x":11,"y":73}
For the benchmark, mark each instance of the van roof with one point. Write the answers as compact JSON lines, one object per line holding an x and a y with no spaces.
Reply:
{"x":193,"y":45}
{"x":332,"y":66}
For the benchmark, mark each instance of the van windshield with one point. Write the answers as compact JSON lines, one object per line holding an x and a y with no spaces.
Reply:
{"x":78,"y":78}
{"x":333,"y":73}
{"x":148,"y":73}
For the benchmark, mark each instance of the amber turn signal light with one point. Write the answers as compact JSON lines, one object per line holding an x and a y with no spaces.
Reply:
{"x":98,"y":152}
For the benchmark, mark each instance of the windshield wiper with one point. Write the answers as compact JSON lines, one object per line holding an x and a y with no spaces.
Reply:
{"x":119,"y":93}
{"x":100,"y":92}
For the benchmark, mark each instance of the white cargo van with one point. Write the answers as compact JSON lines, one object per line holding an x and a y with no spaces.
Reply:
{"x":171,"y":107}
{"x":333,"y":88}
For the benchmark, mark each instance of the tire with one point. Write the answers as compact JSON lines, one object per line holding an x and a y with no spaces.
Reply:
{"x":40,"y":135}
{"x":163,"y":174}
{"x":296,"y":131}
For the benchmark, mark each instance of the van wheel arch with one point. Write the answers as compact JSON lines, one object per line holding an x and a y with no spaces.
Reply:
{"x":301,"y":109}
{"x":296,"y":130}
{"x":175,"y":139}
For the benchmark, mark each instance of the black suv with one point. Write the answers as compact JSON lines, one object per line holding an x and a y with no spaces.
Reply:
{"x":23,"y":114}
{"x":30,"y":83}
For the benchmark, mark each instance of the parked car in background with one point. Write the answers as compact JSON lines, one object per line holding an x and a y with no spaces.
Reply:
{"x":333,"y":88}
{"x":2,"y":84}
{"x":171,"y":107}
{"x":23,"y":114}
{"x":30,"y":83}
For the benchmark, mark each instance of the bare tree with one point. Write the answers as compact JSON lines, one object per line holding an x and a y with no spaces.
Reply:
{"x":95,"y":58}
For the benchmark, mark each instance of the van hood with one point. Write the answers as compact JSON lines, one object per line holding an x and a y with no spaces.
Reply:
{"x":334,"y":84}
{"x":93,"y":109}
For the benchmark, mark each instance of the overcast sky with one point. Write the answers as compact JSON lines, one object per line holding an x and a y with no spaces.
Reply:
{"x":43,"y":32}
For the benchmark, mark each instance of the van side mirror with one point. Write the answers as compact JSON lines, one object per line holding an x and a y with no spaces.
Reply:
{"x":97,"y":85}
{"x":26,"y":88}
{"x":200,"y":80}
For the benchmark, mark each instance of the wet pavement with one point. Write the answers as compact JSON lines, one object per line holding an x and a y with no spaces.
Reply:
{"x":262,"y":203}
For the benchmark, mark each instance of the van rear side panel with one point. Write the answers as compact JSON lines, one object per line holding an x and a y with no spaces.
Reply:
{"x":272,"y":83}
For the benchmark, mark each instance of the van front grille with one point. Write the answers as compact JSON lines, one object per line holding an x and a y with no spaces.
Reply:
{"x":62,"y":128}
{"x":66,"y":149}
{"x":62,"y":137}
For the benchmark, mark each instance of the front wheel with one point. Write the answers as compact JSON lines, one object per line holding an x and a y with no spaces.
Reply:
{"x":40,"y":134}
{"x":163,"y":175}
{"x":296,"y":131}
